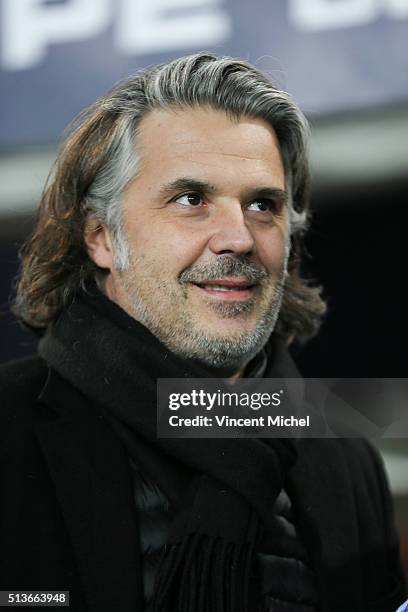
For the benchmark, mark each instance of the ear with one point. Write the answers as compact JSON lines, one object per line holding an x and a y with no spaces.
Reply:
{"x":98,"y":243}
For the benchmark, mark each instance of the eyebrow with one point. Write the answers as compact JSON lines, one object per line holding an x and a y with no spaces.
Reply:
{"x":185,"y":184}
{"x":190,"y":184}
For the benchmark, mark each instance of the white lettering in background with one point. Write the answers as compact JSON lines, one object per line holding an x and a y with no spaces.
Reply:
{"x":315,"y":15}
{"x":398,"y":8}
{"x":151,"y":26}
{"x":30,"y":27}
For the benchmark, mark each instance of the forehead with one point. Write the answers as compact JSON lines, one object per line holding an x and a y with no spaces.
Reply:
{"x":208,"y":144}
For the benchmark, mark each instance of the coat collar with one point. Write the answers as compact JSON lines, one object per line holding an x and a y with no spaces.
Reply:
{"x":91,"y":475}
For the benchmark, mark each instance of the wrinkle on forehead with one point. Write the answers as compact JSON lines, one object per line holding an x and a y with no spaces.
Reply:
{"x":248,"y":165}
{"x":188,"y":126}
{"x":259,"y":136}
{"x":209,"y":160}
{"x":208,"y":138}
{"x":225,"y":154}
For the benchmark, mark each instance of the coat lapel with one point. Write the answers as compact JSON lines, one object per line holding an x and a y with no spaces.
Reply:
{"x":321,"y":491}
{"x":90,"y":472}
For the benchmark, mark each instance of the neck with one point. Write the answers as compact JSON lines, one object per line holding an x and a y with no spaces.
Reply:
{"x":229,"y":372}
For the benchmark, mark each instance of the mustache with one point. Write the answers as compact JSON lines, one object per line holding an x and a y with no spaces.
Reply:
{"x":223,"y":268}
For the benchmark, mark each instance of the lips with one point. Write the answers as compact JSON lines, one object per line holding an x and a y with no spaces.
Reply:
{"x":226,"y":284}
{"x":228,"y":289}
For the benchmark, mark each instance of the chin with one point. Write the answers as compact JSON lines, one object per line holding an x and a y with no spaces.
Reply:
{"x":223,"y":326}
{"x":223,"y":351}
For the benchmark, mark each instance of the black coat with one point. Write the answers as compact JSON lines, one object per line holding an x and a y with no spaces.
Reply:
{"x":68,"y":521}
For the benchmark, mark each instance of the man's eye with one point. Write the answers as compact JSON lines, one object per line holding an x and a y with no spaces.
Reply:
{"x":262,"y":206}
{"x":190,"y":199}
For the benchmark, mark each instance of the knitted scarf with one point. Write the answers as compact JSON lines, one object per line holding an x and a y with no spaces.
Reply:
{"x":208,"y":565}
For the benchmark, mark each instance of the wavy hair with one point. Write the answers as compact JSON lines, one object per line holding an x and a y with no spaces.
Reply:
{"x":99,"y":159}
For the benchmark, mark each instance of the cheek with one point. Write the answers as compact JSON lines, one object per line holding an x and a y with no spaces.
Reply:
{"x":272,"y":250}
{"x":167,"y":249}
{"x":183,"y":251}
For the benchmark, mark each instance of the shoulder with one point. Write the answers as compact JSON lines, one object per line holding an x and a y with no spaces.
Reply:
{"x":363,"y":458}
{"x":367,"y":473}
{"x":364,"y":475}
{"x":21,"y":382}
{"x":357,"y":455}
{"x":22,"y":376}
{"x":346,"y":464}
{"x":20,"y":371}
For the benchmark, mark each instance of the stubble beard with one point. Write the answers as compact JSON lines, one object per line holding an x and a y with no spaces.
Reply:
{"x":180,"y":331}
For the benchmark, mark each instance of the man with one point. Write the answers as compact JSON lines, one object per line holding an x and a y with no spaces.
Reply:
{"x":168,"y":245}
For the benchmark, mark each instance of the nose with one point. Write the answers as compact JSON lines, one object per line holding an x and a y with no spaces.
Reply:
{"x":231,"y":233}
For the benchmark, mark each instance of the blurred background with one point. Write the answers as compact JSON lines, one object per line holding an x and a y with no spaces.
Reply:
{"x":344,"y":61}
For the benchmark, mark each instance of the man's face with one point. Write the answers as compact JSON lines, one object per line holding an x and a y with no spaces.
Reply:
{"x":206,"y":222}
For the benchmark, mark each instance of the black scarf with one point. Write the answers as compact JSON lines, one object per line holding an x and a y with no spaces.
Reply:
{"x":207,"y":565}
